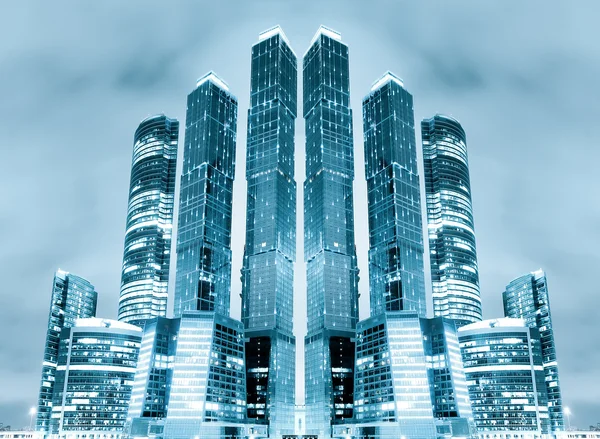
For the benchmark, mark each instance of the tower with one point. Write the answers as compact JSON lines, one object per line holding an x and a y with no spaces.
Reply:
{"x":72,"y":298}
{"x":329,"y":249}
{"x":526,"y":297}
{"x":392,"y":394}
{"x":147,"y":253}
{"x":270,"y":250}
{"x":203,"y":277}
{"x":397,"y":280}
{"x":452,"y":252}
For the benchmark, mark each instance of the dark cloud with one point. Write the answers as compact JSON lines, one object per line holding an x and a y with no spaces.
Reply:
{"x":77,"y":77}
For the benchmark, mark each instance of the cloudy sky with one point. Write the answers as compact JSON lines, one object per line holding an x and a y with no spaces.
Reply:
{"x":76,"y":79}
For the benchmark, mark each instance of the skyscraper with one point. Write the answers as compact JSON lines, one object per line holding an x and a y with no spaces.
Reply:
{"x":147,"y":254}
{"x":329,"y":249}
{"x":270,"y":251}
{"x":502,"y":360}
{"x":527,"y":297}
{"x":203,"y":277}
{"x":72,"y":298}
{"x":96,"y":368}
{"x":397,"y":279}
{"x":207,"y":395}
{"x":392,"y":396}
{"x":454,"y":271}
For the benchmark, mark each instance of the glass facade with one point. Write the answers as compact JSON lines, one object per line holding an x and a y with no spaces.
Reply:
{"x":203,"y":277}
{"x":391,"y":391}
{"x":452,"y":252}
{"x":447,"y":382}
{"x":270,"y":250}
{"x":147,"y":254}
{"x":208,"y":390}
{"x":396,"y":273}
{"x":72,"y":298}
{"x":502,"y":360}
{"x":527,"y":297}
{"x":96,"y":367}
{"x":153,"y":377}
{"x":329,"y":249}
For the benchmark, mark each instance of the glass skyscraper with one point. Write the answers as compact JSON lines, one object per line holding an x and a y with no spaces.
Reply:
{"x":502,"y":360}
{"x":527,"y":297}
{"x":270,"y":251}
{"x":452,"y":252}
{"x":96,"y":367}
{"x":329,"y":249}
{"x":203,"y":277}
{"x":147,"y":254}
{"x":72,"y":298}
{"x":396,"y":273}
{"x":207,"y":393}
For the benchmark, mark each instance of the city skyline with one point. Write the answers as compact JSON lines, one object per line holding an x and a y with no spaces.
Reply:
{"x":107,"y":300}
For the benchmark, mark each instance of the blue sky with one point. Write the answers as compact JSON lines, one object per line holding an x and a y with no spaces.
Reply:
{"x":77,"y":78}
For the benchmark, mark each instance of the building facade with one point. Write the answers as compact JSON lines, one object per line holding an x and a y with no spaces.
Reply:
{"x":446,"y":376}
{"x":203,"y":277}
{"x":452,"y":251}
{"x":270,"y":250}
{"x":396,"y":271}
{"x":329,"y":248}
{"x":502,"y":360}
{"x":208,"y":389}
{"x":391,"y":392}
{"x":527,"y":297}
{"x":147,"y":254}
{"x":96,"y":367}
{"x":153,"y":378}
{"x":72,"y":298}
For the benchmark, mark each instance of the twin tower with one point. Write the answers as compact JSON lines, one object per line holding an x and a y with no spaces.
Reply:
{"x":266,"y":344}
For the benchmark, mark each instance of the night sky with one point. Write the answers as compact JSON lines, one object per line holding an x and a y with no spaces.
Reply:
{"x":76,"y":78}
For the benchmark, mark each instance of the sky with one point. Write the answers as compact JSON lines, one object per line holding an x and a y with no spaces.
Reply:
{"x":76,"y":78}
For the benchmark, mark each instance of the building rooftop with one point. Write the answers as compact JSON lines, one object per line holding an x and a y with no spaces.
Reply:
{"x":271,"y":32}
{"x":97,"y":322}
{"x":504,"y":322}
{"x":214,"y":78}
{"x":328,"y":32}
{"x":387,"y":77}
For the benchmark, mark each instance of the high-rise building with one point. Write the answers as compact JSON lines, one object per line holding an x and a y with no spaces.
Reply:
{"x":207,"y":393}
{"x":203,"y":277}
{"x":96,"y":367}
{"x":270,"y":251}
{"x":147,"y":254}
{"x":396,"y":273}
{"x":72,"y":298}
{"x":502,"y":360}
{"x":447,"y":382}
{"x":392,"y":397}
{"x":527,"y":297}
{"x":329,"y":248}
{"x":452,"y":253}
{"x":207,"y":396}
{"x":153,"y":378}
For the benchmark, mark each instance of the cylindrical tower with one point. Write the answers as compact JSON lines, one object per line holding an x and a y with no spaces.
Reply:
{"x":147,"y":253}
{"x":452,"y":252}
